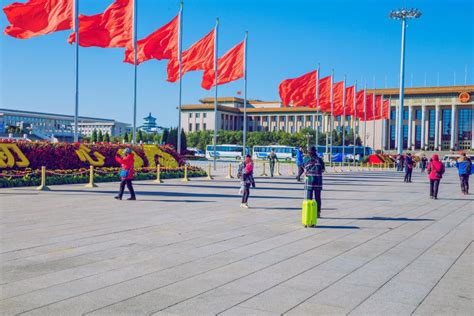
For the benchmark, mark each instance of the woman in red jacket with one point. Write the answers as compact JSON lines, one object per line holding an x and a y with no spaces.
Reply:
{"x":126,"y":174}
{"x":435,"y":173}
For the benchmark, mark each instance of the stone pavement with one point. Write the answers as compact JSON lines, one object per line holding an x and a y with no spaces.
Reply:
{"x":382,"y":248}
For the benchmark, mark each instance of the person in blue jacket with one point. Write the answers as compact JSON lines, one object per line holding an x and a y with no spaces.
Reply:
{"x":299,"y":163}
{"x":464,"y":166}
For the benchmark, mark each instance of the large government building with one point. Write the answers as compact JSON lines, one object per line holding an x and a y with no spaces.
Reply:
{"x":434,"y":118}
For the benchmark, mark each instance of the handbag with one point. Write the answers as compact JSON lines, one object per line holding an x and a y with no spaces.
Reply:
{"x":123,"y":173}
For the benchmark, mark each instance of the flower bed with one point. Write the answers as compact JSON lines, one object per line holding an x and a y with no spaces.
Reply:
{"x":54,"y":177}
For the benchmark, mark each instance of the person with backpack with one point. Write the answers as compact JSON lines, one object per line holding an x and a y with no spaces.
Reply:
{"x":314,"y":168}
{"x":408,"y":168}
{"x":126,"y":173}
{"x":423,"y":163}
{"x":272,"y":157}
{"x":299,"y":163}
{"x":246,"y":180}
{"x":464,"y":166}
{"x":435,"y":173}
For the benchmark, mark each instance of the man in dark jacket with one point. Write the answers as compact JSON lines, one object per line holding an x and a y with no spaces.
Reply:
{"x":408,"y":167}
{"x":314,"y":168}
{"x":299,"y":163}
{"x":464,"y":166}
{"x":272,"y":157}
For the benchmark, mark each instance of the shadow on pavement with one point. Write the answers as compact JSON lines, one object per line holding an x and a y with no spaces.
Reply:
{"x":336,"y":227}
{"x":376,"y":218}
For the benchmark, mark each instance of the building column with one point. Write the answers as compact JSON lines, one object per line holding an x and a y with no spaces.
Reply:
{"x":453,"y":127}
{"x":423,"y":119}
{"x":436,"y":136}
{"x":410,"y":126}
{"x":287,"y":128}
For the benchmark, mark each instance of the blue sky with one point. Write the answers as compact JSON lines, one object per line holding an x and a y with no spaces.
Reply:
{"x":286,"y":39}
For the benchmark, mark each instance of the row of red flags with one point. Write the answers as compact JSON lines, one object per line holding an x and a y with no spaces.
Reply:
{"x":114,"y":28}
{"x":302,"y":91}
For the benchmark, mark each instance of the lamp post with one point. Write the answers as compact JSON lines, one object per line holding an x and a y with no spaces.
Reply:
{"x":403,"y":15}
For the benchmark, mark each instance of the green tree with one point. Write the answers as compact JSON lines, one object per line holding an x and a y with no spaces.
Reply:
{"x":100,"y":137}
{"x":106,"y":137}
{"x":157,"y":138}
{"x":126,"y":137}
{"x":94,"y":135}
{"x":184,"y":143}
{"x":165,"y":136}
{"x":139,"y":136}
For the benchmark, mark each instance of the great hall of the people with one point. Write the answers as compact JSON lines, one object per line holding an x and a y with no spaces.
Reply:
{"x":434,"y":118}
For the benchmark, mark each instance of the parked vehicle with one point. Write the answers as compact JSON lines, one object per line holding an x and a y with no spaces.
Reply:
{"x":226,"y":152}
{"x":286,"y":153}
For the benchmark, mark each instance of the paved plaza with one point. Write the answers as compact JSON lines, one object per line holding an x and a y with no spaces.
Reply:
{"x":382,"y":248}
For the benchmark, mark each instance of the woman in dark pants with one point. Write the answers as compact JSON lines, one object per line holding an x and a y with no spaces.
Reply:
{"x":435,"y":173}
{"x":246,"y":180}
{"x":314,"y":168}
{"x":126,"y":174}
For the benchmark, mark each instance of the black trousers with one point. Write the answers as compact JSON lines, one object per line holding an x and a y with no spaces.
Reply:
{"x":408,"y":172}
{"x":129,"y":187}
{"x":245,"y":196}
{"x":272,"y":169}
{"x":316,"y":193}
{"x":434,"y":186}
{"x":464,"y":183}
{"x":300,"y":172}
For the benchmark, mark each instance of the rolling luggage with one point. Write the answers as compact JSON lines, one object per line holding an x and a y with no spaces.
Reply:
{"x":308,"y":214}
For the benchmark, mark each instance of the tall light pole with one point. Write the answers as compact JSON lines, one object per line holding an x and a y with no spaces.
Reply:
{"x":402,"y":14}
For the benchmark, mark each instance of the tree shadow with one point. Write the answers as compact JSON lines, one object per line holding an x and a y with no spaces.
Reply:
{"x":335,"y":227}
{"x":380,"y":218}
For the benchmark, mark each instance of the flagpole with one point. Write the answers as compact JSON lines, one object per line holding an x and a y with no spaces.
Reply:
{"x":244,"y":142}
{"x":331,"y":118}
{"x":355,"y":119}
{"x":317,"y":109}
{"x":384,"y":133}
{"x":76,"y":95}
{"x":343,"y":121}
{"x":374,"y":118}
{"x":215,"y":87}
{"x":134,"y":132}
{"x":365,"y":116}
{"x":180,"y":50}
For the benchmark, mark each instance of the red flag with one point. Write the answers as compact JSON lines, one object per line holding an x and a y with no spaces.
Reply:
{"x":200,"y":56}
{"x":378,"y":107}
{"x":360,"y":104}
{"x":301,"y":91}
{"x":38,"y":17}
{"x":386,"y":109}
{"x":230,"y":66}
{"x":369,"y":108}
{"x":350,"y":100}
{"x":338,"y":91}
{"x":161,"y":44}
{"x":113,"y":28}
{"x":325,"y":94}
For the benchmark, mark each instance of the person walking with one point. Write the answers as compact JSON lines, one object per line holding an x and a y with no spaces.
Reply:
{"x":126,"y":173}
{"x":408,"y":168}
{"x":272,"y":157}
{"x":464,"y":166}
{"x":423,"y":163}
{"x":435,"y":173}
{"x":402,"y":162}
{"x":299,"y":163}
{"x":314,"y":168}
{"x":246,"y":180}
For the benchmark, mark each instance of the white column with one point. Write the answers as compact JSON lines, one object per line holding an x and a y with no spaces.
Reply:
{"x":304,"y":120}
{"x":410,"y":126}
{"x":423,"y":119}
{"x":436,"y":136}
{"x":384,"y":134}
{"x":453,"y":126}
{"x":287,"y":127}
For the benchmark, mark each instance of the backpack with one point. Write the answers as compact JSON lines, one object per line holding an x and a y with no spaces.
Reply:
{"x":240,"y":170}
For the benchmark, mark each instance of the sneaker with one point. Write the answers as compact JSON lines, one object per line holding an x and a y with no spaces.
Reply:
{"x":245,"y":205}
{"x":132,"y":198}
{"x":241,"y":205}
{"x":117,"y":197}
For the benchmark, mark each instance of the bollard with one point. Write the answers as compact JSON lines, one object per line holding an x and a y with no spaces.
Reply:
{"x":278,"y":173}
{"x":158,"y":175}
{"x":209,"y":177}
{"x":91,"y":183}
{"x":263,"y":172}
{"x":43,"y":186}
{"x":229,"y":174}
{"x":185,"y":178}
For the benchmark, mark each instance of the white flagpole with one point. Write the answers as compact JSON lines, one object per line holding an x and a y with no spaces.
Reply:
{"x":215,"y":87}
{"x":76,"y":96}
{"x":355,"y":121}
{"x":134,"y":132}
{"x":373,"y":125}
{"x":365,"y":117}
{"x":180,"y":50}
{"x":384,"y":132}
{"x":331,"y":119}
{"x":244,"y":142}
{"x":343,"y":121}
{"x":317,"y":109}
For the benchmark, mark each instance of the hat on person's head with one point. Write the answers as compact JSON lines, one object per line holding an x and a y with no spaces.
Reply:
{"x":127,"y":151}
{"x":312,"y":149}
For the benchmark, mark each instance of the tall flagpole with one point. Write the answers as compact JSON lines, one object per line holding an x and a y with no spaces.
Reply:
{"x":215,"y":90}
{"x":331,"y":118}
{"x":384,"y":132}
{"x":374,"y":118}
{"x":76,"y":96}
{"x":355,"y":121}
{"x":365,"y":117}
{"x":180,"y":50}
{"x":343,"y":121}
{"x":244,"y":142}
{"x":134,"y":132}
{"x":317,"y":109}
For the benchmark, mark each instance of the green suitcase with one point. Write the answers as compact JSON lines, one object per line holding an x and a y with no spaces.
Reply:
{"x":308,"y":214}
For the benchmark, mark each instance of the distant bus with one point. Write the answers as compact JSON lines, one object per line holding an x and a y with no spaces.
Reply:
{"x":226,"y":151}
{"x":282,"y":152}
{"x":360,"y":151}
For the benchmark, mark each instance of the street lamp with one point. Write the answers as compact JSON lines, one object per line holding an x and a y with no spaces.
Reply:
{"x":402,"y":14}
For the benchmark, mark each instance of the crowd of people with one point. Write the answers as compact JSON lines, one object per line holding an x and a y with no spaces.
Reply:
{"x":312,"y":167}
